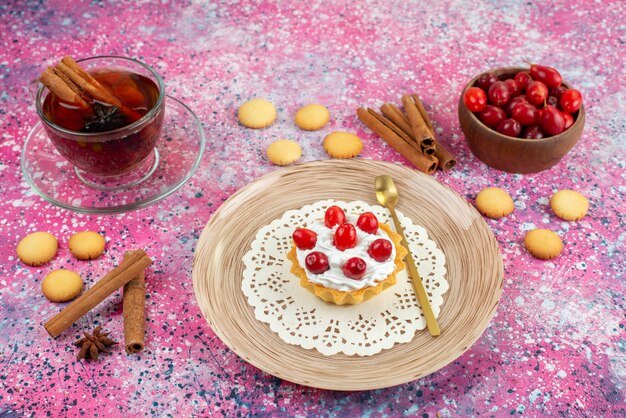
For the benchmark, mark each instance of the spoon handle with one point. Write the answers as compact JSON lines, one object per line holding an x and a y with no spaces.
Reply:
{"x":431,"y":321}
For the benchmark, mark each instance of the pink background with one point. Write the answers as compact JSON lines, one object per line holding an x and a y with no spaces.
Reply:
{"x":557,"y":343}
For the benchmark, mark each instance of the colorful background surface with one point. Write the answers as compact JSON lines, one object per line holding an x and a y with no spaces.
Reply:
{"x":557,"y":344}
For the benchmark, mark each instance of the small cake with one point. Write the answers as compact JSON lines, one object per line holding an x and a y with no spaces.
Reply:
{"x":346,"y":260}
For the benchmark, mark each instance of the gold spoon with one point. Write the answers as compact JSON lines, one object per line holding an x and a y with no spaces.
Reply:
{"x":387,"y":195}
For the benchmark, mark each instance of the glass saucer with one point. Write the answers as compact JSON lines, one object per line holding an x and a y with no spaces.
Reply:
{"x":176,"y":156}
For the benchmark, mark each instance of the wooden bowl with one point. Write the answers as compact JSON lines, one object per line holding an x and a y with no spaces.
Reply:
{"x":516,"y":155}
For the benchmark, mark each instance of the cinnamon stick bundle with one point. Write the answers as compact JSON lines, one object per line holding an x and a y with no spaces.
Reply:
{"x":74,"y":85}
{"x":436,"y":148}
{"x":407,"y":148}
{"x":134,"y":312}
{"x":130,"y":267}
{"x":411,"y":134}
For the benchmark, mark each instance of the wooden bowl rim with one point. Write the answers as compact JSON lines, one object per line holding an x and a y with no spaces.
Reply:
{"x":505,"y":71}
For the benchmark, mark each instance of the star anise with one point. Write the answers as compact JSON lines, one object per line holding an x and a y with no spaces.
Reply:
{"x":105,"y":118}
{"x":94,"y":343}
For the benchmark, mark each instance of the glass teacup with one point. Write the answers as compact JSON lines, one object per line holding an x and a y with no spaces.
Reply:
{"x":118,"y":152}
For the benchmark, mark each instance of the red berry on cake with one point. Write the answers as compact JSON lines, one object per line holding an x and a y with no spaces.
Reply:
{"x":334,"y":216}
{"x":380,"y":250}
{"x":345,"y":237}
{"x":367,"y":222}
{"x":305,"y":239}
{"x":355,"y":268}
{"x":316,"y":262}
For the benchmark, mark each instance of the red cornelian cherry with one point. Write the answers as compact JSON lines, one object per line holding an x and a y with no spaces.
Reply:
{"x":523,"y":79}
{"x":571,"y":100}
{"x":569,"y":120}
{"x":508,"y":108}
{"x":552,"y":101}
{"x":558,"y":91}
{"x":475,"y":99}
{"x":305,"y":239}
{"x":513,"y":88}
{"x":547,"y":75}
{"x":368,"y":222}
{"x":355,"y":268}
{"x":491,"y":116}
{"x":486,"y":80}
{"x":316,"y":262}
{"x":334,"y":216}
{"x":345,"y":237}
{"x":533,"y":132}
{"x":499,"y":93}
{"x":380,"y":250}
{"x":552,"y":121}
{"x":525,"y":113}
{"x":509,"y":127}
{"x":537,"y":93}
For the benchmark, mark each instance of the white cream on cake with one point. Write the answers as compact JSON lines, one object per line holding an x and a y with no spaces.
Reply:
{"x":334,"y":278}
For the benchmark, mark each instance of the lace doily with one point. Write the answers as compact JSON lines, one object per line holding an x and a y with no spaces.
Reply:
{"x":301,"y":318}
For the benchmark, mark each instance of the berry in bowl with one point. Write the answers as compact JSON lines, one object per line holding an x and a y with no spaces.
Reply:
{"x":521,"y":120}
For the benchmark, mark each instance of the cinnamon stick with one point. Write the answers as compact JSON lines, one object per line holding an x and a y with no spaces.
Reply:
{"x":420,"y":130}
{"x":61,"y":88}
{"x":85,"y":81}
{"x":422,"y":110}
{"x":395,"y":115}
{"x":424,"y":163}
{"x":70,"y":83}
{"x":446,"y":159}
{"x":432,"y":150}
{"x":389,"y":124}
{"x":130,"y":267}
{"x":134,"y":312}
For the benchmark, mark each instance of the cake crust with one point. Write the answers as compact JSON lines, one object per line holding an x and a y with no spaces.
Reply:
{"x":339,"y":297}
